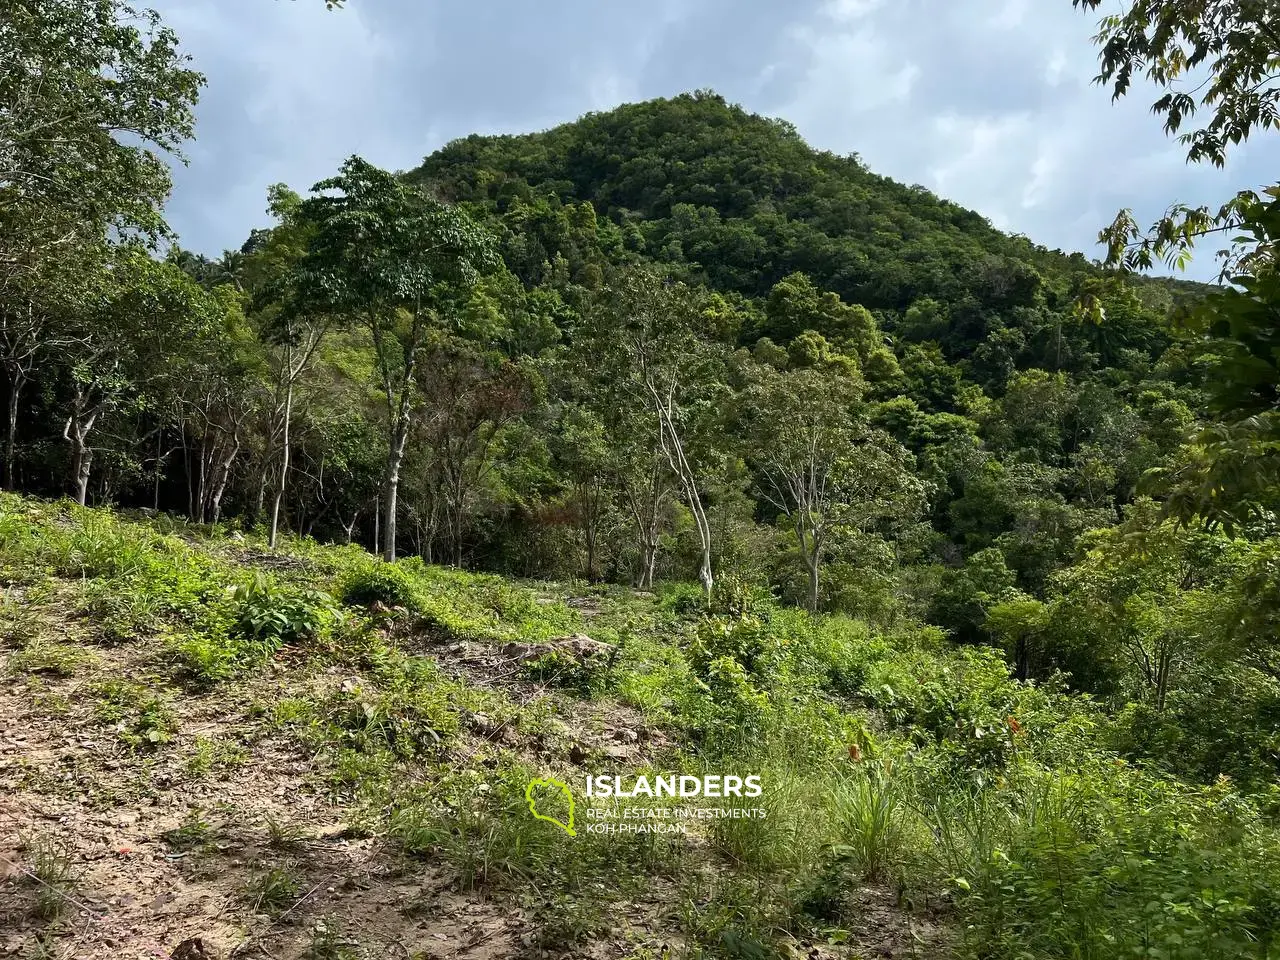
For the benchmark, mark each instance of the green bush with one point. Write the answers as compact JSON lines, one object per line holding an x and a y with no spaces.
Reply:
{"x":384,"y":583}
{"x":272,"y":616}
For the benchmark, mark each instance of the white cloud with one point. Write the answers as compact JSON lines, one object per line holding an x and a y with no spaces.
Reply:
{"x":847,"y":11}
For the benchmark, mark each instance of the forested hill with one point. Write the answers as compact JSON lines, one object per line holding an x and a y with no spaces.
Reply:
{"x":740,"y":201}
{"x":964,"y":545}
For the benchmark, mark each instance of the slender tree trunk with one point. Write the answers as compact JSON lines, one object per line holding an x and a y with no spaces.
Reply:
{"x":1162,"y":680}
{"x":391,"y":487}
{"x":813,"y":584}
{"x":197,"y":512}
{"x":649,"y":544}
{"x":673,"y":447}
{"x":155,"y":486}
{"x":262,"y":485}
{"x":77,"y":432}
{"x":16,"y":379}
{"x":284,"y":465}
{"x":649,"y":568}
{"x":645,"y":514}
{"x":83,"y":464}
{"x":222,"y":476}
{"x":591,"y":534}
{"x":81,"y":459}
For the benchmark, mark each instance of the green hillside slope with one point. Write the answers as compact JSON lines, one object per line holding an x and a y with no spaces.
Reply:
{"x":308,"y":753}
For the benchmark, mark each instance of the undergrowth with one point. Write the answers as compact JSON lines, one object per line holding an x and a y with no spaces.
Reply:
{"x":995,"y":810}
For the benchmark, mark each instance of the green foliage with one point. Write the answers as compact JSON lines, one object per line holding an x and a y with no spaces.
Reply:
{"x":664,"y":342}
{"x":874,"y":822}
{"x":142,"y":721}
{"x":272,"y":616}
{"x":386,"y":584}
{"x":272,"y":889}
{"x":53,"y":874}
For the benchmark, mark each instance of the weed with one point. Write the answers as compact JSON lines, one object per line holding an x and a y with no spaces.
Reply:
{"x":48,"y":657}
{"x":20,"y":620}
{"x":874,"y":823}
{"x":210,"y":755}
{"x":119,"y":611}
{"x":284,"y":836}
{"x":193,"y":833}
{"x":271,"y":616}
{"x":203,"y":659}
{"x":727,"y":919}
{"x":142,"y":721}
{"x":328,"y":942}
{"x":562,"y":921}
{"x":52,"y":873}
{"x":384,"y":583}
{"x":270,"y":889}
{"x":587,"y":677}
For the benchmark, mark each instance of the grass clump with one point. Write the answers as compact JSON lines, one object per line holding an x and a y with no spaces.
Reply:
{"x":211,"y":755}
{"x":193,"y":833}
{"x":44,"y":656}
{"x":142,"y":721}
{"x":272,"y":889}
{"x":52,"y":874}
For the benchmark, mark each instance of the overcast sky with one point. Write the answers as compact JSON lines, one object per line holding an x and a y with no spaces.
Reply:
{"x":986,"y":102}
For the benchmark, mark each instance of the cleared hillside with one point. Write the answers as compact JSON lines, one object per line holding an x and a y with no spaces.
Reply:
{"x":309,"y":753}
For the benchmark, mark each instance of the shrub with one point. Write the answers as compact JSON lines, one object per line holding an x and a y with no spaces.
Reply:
{"x":385,"y":583}
{"x":273,"y":616}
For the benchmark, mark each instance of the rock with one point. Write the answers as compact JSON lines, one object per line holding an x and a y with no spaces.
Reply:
{"x":582,"y":646}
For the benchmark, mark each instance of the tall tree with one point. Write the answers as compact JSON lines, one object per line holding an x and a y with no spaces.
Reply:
{"x":126,"y":333}
{"x":92,"y":94}
{"x":654,"y":331}
{"x":382,"y":253}
{"x":822,"y":467}
{"x":293,"y":329}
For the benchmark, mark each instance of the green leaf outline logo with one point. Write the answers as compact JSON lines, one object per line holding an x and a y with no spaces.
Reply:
{"x":533,"y":808}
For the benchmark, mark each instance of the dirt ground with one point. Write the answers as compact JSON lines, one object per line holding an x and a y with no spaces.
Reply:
{"x":166,"y":858}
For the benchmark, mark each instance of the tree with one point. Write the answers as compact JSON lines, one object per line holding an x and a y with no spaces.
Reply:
{"x":1234,"y":44}
{"x":90,"y":90}
{"x":582,"y":450}
{"x":383,"y":252}
{"x":122,"y":333}
{"x":821,"y":468}
{"x":651,"y":326}
{"x":215,"y":379}
{"x":1018,"y":621}
{"x":30,"y":331}
{"x":471,"y":397}
{"x":293,"y":329}
{"x":1151,"y":590}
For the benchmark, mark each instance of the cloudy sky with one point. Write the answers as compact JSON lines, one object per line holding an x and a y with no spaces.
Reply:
{"x":986,"y":102}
